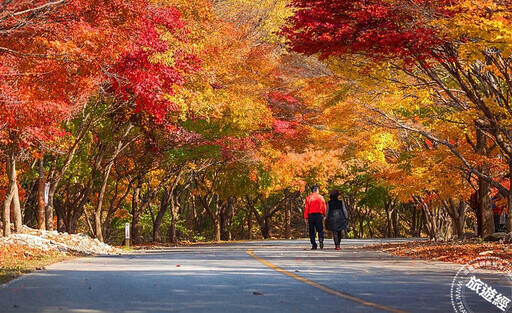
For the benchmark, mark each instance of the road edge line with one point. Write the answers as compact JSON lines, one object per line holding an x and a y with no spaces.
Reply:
{"x":324,"y":288}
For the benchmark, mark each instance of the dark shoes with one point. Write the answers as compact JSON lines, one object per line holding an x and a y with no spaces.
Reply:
{"x":315,"y":246}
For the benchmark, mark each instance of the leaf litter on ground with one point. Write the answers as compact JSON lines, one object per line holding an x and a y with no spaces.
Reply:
{"x":460,"y":252}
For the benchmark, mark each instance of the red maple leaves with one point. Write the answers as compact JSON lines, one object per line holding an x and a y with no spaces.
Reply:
{"x":376,"y":28}
{"x":136,"y":75}
{"x":55,"y":55}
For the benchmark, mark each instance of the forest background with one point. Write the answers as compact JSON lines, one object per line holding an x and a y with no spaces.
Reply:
{"x":209,"y":120}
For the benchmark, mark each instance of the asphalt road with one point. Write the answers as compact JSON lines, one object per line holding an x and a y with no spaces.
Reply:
{"x":269,"y":276}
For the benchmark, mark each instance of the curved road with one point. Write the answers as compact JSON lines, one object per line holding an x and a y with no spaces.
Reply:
{"x":265,"y":276}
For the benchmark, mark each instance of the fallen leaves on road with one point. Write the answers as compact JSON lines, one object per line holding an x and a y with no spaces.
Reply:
{"x":455,"y":252}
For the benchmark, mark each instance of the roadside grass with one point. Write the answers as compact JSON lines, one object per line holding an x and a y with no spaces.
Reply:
{"x":453,"y":251}
{"x":16,"y":260}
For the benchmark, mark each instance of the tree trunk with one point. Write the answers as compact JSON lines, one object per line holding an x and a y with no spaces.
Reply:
{"x":114,"y":207}
{"x":287,"y":221}
{"x":174,"y":222}
{"x":486,"y":216}
{"x":60,"y":211}
{"x":249,"y":223}
{"x":460,"y":222}
{"x":9,"y":195}
{"x":429,"y":223}
{"x":78,"y":209}
{"x":457,"y":213}
{"x":509,"y":198}
{"x":394,"y":219}
{"x":263,"y":221}
{"x":391,"y":217}
{"x":12,"y":198}
{"x":41,"y":220}
{"x":175,"y":210}
{"x":97,"y":226}
{"x":50,"y":206}
{"x":226,"y":219}
{"x":99,"y":206}
{"x":265,"y":228}
{"x":368,"y":222}
{"x":214,"y":215}
{"x":217,"y":219}
{"x":388,"y":222}
{"x":136,"y":215}
{"x":55,"y":174}
{"x":164,"y":203}
{"x":420,"y":224}
{"x":484,"y":212}
{"x":414,"y":219}
{"x":29,"y":207}
{"x":216,"y":226}
{"x":16,"y":207}
{"x":432,"y":218}
{"x":361,"y":227}
{"x":249,"y":206}
{"x":196,"y":216}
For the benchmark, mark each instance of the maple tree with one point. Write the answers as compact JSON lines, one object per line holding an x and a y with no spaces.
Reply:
{"x":71,"y":59}
{"x":431,"y":50}
{"x":39,"y":60}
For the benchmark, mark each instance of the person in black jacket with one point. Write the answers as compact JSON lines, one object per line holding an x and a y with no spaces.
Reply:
{"x":337,"y":217}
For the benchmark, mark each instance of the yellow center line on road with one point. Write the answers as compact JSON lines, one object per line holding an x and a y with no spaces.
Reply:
{"x":324,"y":288}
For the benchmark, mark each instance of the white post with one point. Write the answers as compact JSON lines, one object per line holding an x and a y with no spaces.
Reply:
{"x":127,"y":234}
{"x":46,"y":193}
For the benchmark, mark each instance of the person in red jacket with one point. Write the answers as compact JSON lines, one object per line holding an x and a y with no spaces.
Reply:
{"x":314,"y":213}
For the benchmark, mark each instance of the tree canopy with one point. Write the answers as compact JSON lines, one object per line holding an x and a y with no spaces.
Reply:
{"x":193,"y":119}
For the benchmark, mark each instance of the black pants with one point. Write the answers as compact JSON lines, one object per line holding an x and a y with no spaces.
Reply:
{"x":336,"y":235}
{"x":315,"y":221}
